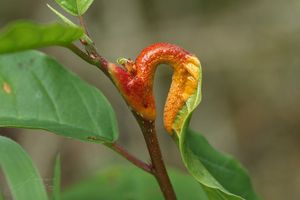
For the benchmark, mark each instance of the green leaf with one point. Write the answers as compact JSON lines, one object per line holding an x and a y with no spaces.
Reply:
{"x":24,"y":35}
{"x":220,"y":175}
{"x":62,"y":17}
{"x":85,"y":37}
{"x":23,"y":179}
{"x":75,"y":7}
{"x":56,"y":179}
{"x":37,"y":92}
{"x":134,"y":184}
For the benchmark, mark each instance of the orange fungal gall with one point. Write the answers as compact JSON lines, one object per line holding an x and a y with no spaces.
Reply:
{"x":136,"y":81}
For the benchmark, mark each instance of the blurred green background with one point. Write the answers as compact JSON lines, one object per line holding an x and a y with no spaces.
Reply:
{"x":250,"y":53}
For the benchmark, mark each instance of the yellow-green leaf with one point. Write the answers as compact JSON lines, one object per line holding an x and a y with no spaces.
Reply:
{"x":75,"y":7}
{"x":24,"y":35}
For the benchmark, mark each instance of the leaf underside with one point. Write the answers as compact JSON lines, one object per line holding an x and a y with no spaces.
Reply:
{"x":36,"y":92}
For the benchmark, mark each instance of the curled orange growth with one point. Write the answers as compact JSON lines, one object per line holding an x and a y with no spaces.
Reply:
{"x":136,"y":82}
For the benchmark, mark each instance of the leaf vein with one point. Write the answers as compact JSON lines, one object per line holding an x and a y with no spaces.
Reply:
{"x":48,"y":96}
{"x":83,"y":100}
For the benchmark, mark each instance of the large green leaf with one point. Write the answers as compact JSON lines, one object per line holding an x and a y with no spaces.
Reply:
{"x":219,"y":174}
{"x":23,"y":179}
{"x":24,"y":35}
{"x":75,"y":7}
{"x":134,"y":184}
{"x":37,"y":92}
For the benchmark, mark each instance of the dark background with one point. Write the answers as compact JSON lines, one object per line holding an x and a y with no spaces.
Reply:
{"x":251,"y":75}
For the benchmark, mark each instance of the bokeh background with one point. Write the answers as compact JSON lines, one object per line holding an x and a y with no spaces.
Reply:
{"x":250,"y":54}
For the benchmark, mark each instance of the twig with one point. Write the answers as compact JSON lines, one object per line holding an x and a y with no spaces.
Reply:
{"x":91,"y":57}
{"x":81,"y":54}
{"x":137,"y":162}
{"x":81,"y":21}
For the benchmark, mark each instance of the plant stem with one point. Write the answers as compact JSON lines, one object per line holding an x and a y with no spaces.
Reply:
{"x":81,"y":54}
{"x":140,"y":164}
{"x":159,"y":169}
{"x":82,"y":23}
{"x":91,"y":57}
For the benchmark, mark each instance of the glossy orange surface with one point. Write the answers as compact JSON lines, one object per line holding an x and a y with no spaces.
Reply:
{"x":136,"y":81}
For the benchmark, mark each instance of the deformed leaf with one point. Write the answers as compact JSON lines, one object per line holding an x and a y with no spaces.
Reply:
{"x":220,"y":176}
{"x":24,"y":35}
{"x":37,"y":92}
{"x":75,"y":7}
{"x":23,"y":179}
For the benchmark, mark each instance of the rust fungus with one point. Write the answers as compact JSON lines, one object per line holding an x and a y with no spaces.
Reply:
{"x":6,"y":88}
{"x":137,"y":87}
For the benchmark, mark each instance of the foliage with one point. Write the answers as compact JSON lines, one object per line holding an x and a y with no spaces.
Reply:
{"x":37,"y":92}
{"x":75,"y":7}
{"x":126,"y":182}
{"x":24,"y":35}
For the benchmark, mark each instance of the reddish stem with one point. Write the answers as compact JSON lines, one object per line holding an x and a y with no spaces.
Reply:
{"x":159,"y":169}
{"x":142,"y":165}
{"x":81,"y":21}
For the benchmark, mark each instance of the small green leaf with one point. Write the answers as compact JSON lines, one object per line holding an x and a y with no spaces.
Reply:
{"x":62,"y":17}
{"x":220,"y":175}
{"x":134,"y":184}
{"x":37,"y":92}
{"x":24,"y":35}
{"x":75,"y":7}
{"x":56,"y":179}
{"x":23,"y":179}
{"x":70,"y":23}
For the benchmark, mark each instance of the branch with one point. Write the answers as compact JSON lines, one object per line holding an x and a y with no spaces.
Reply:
{"x":81,"y":54}
{"x":81,"y":21}
{"x":124,"y":153}
{"x":91,"y":57}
